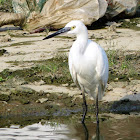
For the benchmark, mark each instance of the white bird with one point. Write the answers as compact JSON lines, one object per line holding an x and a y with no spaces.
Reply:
{"x":88,"y":63}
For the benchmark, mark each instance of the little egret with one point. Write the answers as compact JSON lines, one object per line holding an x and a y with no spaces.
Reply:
{"x":88,"y":63}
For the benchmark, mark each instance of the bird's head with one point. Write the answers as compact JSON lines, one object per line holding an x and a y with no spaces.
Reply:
{"x":73,"y":27}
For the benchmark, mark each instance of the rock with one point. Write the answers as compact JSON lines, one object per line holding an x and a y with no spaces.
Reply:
{"x":42,"y":100}
{"x":138,"y":25}
{"x":116,"y":79}
{"x":41,"y":82}
{"x":48,"y":95}
{"x":8,"y":109}
{"x":65,"y":85}
{"x":127,"y":20}
{"x":3,"y":102}
{"x":15,"y":126}
{"x":130,"y":79}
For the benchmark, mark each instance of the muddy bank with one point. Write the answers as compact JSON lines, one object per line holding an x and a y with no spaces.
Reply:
{"x":62,"y":108}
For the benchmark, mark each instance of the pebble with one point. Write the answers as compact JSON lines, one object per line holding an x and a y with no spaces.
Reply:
{"x":65,"y":85}
{"x":138,"y":25}
{"x":42,"y":100}
{"x":116,"y":79}
{"x":127,"y":20}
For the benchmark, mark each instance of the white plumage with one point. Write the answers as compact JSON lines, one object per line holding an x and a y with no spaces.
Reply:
{"x":88,"y":63}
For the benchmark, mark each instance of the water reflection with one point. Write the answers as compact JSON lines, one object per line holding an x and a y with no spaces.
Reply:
{"x":127,"y":128}
{"x":47,"y":131}
{"x":85,"y":131}
{"x":35,"y":131}
{"x":97,"y":136}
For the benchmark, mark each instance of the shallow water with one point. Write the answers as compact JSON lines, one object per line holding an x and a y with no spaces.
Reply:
{"x":122,"y":128}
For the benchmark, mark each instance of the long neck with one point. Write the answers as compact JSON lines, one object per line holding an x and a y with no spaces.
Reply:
{"x":82,"y":39}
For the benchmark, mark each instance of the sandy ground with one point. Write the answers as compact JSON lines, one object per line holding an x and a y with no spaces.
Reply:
{"x":24,"y":47}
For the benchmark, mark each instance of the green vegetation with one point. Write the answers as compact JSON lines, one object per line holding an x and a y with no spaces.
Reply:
{"x":2,"y":1}
{"x":1,"y":79}
{"x":52,"y":71}
{"x":4,"y":97}
{"x":130,"y":23}
{"x":123,"y":65}
{"x":112,"y":57}
{"x":6,"y":6}
{"x":55,"y":70}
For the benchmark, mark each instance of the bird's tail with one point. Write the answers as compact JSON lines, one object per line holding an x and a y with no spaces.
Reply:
{"x":101,"y":90}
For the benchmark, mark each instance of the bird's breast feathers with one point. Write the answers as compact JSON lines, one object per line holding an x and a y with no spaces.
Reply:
{"x":90,"y":65}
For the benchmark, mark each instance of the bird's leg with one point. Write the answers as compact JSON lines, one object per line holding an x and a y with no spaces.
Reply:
{"x":97,"y":110}
{"x":84,"y":107}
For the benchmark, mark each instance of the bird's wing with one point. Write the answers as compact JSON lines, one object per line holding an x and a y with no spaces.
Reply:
{"x":97,"y":62}
{"x":98,"y":66}
{"x":102,"y":67}
{"x":72,"y":71}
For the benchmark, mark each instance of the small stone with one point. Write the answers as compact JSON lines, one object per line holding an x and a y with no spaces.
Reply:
{"x":65,"y":85}
{"x":48,"y":95}
{"x":42,"y":100}
{"x":138,"y":25}
{"x":4,"y":102}
{"x":41,"y":82}
{"x":127,"y":20}
{"x":15,"y":126}
{"x":130,"y":79}
{"x":8,"y":110}
{"x":116,"y":79}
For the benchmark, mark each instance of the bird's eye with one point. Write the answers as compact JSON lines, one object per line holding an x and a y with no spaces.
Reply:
{"x":73,"y":27}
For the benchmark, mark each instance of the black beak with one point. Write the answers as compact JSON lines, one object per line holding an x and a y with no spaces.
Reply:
{"x":63,"y":30}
